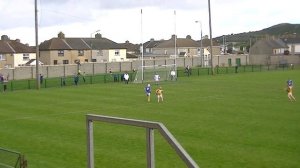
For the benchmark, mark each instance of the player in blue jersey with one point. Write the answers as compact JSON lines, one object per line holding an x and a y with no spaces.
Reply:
{"x":148,"y":91}
{"x":289,"y":83}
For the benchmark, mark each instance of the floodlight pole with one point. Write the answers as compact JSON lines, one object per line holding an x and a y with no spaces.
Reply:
{"x":37,"y":55}
{"x":210,"y":34}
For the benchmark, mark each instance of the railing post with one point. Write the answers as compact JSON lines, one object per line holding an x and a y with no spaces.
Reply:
{"x":90,"y":144}
{"x":150,"y":148}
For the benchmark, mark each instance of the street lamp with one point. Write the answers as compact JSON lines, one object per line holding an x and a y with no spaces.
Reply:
{"x":201,"y":53}
{"x":94,"y":33}
{"x":92,"y":43}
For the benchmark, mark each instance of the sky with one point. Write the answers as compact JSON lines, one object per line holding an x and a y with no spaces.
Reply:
{"x":140,"y":20}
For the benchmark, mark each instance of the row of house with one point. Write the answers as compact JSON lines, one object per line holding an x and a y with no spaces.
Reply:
{"x":279,"y":51}
{"x":62,"y":50}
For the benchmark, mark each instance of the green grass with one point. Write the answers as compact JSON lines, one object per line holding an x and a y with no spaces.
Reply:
{"x":233,"y":120}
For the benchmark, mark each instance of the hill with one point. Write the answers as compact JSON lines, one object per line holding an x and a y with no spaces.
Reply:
{"x":279,"y":30}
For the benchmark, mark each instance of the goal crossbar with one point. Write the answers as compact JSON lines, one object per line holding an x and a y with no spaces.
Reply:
{"x":147,"y":73}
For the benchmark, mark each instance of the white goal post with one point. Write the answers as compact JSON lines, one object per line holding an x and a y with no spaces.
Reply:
{"x":147,"y":73}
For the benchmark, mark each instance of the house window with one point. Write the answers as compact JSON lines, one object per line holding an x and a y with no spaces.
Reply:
{"x":94,"y":60}
{"x":25,"y":57}
{"x":2,"y":57}
{"x":80,"y":53}
{"x":166,"y":52}
{"x":55,"y":62}
{"x":7,"y":66}
{"x":99,"y":53}
{"x":86,"y":60}
{"x":117,"y":52}
{"x":65,"y":61}
{"x":61,"y":53}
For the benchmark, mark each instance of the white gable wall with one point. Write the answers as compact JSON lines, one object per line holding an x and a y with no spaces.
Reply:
{"x":23,"y":58}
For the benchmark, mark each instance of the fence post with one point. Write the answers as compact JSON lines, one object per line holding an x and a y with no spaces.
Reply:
{"x":90,"y":143}
{"x":150,"y":148}
{"x":23,"y":161}
{"x":91,"y":79}
{"x":260,"y":67}
{"x":93,"y":68}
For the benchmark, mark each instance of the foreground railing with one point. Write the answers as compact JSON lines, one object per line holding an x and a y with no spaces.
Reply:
{"x":11,"y":159}
{"x":150,"y":126}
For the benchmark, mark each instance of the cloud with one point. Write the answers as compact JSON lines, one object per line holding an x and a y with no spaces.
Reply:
{"x":13,"y":15}
{"x":120,"y":20}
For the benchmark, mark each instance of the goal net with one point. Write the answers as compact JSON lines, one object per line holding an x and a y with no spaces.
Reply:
{"x":147,"y":73}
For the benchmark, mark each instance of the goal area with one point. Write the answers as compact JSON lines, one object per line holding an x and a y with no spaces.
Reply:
{"x":147,"y":73}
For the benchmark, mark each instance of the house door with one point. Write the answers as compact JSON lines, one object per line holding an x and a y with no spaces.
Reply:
{"x":238,"y":62}
{"x":229,"y":62}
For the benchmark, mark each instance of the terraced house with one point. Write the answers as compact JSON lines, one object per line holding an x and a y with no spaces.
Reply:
{"x":13,"y":53}
{"x":62,"y":50}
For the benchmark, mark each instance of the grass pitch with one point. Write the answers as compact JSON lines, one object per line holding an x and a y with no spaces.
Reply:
{"x":234,"y":120}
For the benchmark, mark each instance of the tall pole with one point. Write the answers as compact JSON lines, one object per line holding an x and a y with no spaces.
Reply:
{"x":36,"y":48}
{"x":175,"y":41}
{"x":142,"y":49}
{"x":210,"y":34}
{"x":201,"y":44}
{"x":249,"y":51}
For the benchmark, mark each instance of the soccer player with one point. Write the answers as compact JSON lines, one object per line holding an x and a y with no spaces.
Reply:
{"x":126,"y":77}
{"x":156,"y":78}
{"x":159,"y":94}
{"x":290,"y":94}
{"x":148,"y":92}
{"x":173,"y":75}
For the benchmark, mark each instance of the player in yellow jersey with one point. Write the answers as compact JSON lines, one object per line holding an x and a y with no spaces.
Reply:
{"x":159,"y":94}
{"x":290,"y":94}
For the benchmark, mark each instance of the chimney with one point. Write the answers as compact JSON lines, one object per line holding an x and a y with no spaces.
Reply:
{"x":61,"y":35}
{"x":173,"y":36}
{"x":18,"y":40}
{"x":152,"y":39}
{"x":126,"y":41}
{"x":98,"y":36}
{"x":4,"y":37}
{"x":188,"y":37}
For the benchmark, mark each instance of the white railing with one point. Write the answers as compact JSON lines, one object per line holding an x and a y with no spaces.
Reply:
{"x":150,"y":126}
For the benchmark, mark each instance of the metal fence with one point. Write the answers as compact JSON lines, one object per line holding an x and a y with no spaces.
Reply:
{"x":118,"y":76}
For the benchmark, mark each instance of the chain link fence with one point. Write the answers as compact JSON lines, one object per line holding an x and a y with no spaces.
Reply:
{"x":14,"y":85}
